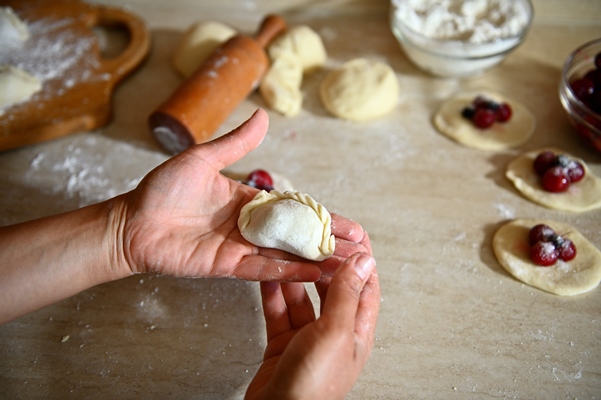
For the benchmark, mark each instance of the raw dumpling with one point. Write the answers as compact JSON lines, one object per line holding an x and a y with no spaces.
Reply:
{"x":289,"y":221}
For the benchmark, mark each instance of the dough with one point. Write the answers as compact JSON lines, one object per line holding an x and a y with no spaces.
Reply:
{"x":580,"y":275}
{"x":198,"y":43}
{"x":16,"y":86}
{"x":303,"y":42}
{"x":289,"y":221}
{"x":13,"y":31}
{"x":499,"y":136}
{"x":360,"y":90}
{"x":280,"y":87}
{"x":581,"y":196}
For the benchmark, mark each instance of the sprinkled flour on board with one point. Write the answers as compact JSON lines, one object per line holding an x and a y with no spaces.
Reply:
{"x":474,"y":21}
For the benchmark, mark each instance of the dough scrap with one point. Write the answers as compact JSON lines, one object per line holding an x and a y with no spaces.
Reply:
{"x":288,"y":221}
{"x":500,"y":136}
{"x":360,"y":90}
{"x":13,"y":31}
{"x":280,"y":87}
{"x":581,"y":196}
{"x":512,"y":249}
{"x":16,"y":86}
{"x":198,"y":43}
{"x":303,"y":42}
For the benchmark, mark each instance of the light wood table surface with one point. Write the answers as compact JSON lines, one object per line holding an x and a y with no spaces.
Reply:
{"x":453,"y":324}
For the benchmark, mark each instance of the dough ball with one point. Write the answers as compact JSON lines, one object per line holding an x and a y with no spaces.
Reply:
{"x":16,"y":86}
{"x":288,"y":221}
{"x":360,"y":90}
{"x":280,"y":87}
{"x":500,"y":136}
{"x":198,"y":43}
{"x":581,"y":196}
{"x":303,"y":42}
{"x":580,"y":275}
{"x":13,"y":31}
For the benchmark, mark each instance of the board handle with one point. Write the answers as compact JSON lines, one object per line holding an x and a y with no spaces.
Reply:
{"x":137,"y":48}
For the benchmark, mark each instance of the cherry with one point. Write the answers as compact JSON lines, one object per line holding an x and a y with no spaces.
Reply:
{"x":544,"y":254}
{"x":598,"y":61}
{"x":260,"y":179}
{"x":556,"y":180}
{"x":567,"y":250}
{"x":575,"y":171}
{"x":504,"y":112}
{"x":484,"y":118}
{"x":583,"y":88}
{"x":540,"y":233}
{"x":543,"y":162}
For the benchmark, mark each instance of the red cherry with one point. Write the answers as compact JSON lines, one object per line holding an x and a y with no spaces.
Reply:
{"x":503,"y":113}
{"x":583,"y":88}
{"x":556,"y":180}
{"x":543,"y":162}
{"x":540,"y":233}
{"x":260,"y":179}
{"x":544,"y":254}
{"x":567,"y":250}
{"x":575,"y":171}
{"x":483,"y":118}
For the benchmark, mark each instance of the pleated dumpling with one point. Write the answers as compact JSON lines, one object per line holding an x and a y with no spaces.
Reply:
{"x":289,"y":221}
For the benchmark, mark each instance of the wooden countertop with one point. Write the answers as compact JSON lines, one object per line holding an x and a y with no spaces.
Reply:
{"x":453,"y":324}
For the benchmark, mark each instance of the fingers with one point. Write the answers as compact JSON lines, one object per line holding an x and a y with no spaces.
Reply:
{"x":344,"y":292}
{"x":274,"y":309}
{"x":346,"y":229}
{"x":369,"y":306}
{"x":300,"y":307}
{"x":231,"y":147}
{"x":260,"y":268}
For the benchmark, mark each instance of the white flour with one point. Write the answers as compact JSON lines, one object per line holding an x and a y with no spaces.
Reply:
{"x":473,"y":21}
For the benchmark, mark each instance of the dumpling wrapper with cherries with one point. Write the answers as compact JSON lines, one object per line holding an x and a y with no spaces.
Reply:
{"x":580,"y":275}
{"x":290,"y":221}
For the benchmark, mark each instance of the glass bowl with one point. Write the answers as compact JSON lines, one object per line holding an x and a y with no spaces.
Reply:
{"x":428,"y":39}
{"x":585,"y":120}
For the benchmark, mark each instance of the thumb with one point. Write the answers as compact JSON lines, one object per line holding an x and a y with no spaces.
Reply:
{"x":231,"y":147}
{"x":342,"y":300}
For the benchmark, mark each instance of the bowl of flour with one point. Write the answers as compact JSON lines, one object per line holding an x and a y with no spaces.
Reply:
{"x":459,"y":38}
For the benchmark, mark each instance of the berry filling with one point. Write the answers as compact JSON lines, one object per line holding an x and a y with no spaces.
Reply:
{"x":557,"y":171}
{"x":588,"y":87}
{"x":484,"y":112}
{"x":547,"y":247}
{"x":259,"y":179}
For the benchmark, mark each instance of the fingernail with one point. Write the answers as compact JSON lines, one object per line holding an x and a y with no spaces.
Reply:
{"x":364,"y":265}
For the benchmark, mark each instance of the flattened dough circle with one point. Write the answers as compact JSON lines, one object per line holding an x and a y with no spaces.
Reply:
{"x":581,"y":196}
{"x":500,"y":136}
{"x":512,"y":249}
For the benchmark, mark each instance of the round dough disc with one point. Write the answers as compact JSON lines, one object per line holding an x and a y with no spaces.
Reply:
{"x":577,"y":276}
{"x":198,"y":43}
{"x":500,"y":136}
{"x":360,"y":90}
{"x":581,"y":196}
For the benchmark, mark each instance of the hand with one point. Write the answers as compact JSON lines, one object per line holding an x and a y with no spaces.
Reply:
{"x":308,"y":358}
{"x":182,"y":219}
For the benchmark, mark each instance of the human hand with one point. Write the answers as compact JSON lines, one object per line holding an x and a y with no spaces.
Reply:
{"x":309,"y":358}
{"x":182,"y":219}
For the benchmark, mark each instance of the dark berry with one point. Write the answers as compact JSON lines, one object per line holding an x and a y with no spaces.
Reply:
{"x":598,"y":60}
{"x":480,"y":102}
{"x":562,"y":160}
{"x":567,"y":250}
{"x":556,"y":180}
{"x":540,"y":233}
{"x":503,"y":113}
{"x":575,"y":171}
{"x":260,"y":179}
{"x":543,"y":162}
{"x":583,"y":88}
{"x":468,"y":112}
{"x":544,"y":254}
{"x":483,"y":118}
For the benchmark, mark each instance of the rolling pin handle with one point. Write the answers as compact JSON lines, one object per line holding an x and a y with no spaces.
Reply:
{"x":270,"y":28}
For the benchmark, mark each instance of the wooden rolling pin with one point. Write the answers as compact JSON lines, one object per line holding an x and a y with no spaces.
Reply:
{"x":200,"y":105}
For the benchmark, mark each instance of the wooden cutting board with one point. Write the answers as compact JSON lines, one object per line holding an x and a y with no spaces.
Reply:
{"x":77,"y":81}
